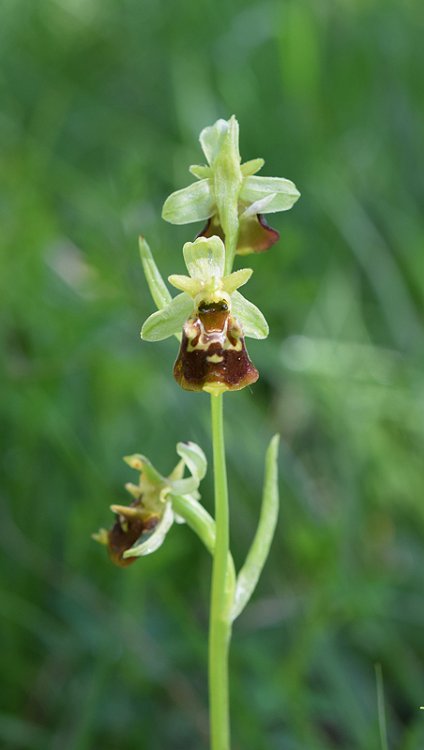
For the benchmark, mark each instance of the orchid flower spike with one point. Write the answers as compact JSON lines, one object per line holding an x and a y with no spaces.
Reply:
{"x":228,"y":195}
{"x":214,"y":317}
{"x":141,"y":527}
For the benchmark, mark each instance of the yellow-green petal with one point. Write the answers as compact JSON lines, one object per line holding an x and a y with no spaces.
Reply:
{"x":200,"y":171}
{"x":237,"y":278}
{"x":251,"y":167}
{"x":185,"y":284}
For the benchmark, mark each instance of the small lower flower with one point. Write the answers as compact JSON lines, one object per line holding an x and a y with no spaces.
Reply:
{"x":140,"y":528}
{"x":132,"y":522}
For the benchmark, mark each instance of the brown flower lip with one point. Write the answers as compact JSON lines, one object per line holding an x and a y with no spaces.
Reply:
{"x":129,"y":526}
{"x":255,"y":234}
{"x":213,"y":355}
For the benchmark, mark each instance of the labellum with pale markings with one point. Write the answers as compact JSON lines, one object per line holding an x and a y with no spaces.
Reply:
{"x":213,"y":354}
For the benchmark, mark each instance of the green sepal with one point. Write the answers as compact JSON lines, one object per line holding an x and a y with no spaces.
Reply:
{"x":211,"y":139}
{"x":194,"y":459}
{"x":192,"y":203}
{"x":183,"y":486}
{"x":258,"y":553}
{"x":168,"y":321}
{"x":256,"y":188}
{"x":250,"y":317}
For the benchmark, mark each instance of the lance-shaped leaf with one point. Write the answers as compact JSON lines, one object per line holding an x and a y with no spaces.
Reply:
{"x":258,"y":553}
{"x":168,"y":321}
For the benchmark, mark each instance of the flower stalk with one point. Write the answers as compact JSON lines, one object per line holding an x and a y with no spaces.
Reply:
{"x":221,"y":603}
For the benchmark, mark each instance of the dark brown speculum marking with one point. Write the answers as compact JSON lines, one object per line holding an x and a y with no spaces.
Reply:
{"x":125,"y":533}
{"x":213,"y":355}
{"x":255,"y":234}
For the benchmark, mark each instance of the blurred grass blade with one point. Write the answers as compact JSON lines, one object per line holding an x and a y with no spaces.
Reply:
{"x":381,"y":708}
{"x":156,"y":284}
{"x":258,"y":553}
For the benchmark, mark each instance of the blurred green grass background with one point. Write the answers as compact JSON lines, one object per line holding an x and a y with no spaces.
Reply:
{"x":101,"y":106}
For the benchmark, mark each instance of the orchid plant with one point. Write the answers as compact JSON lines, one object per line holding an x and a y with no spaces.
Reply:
{"x":211,"y":319}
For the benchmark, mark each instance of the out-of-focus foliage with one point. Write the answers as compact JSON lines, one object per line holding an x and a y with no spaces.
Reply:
{"x":101,"y":105}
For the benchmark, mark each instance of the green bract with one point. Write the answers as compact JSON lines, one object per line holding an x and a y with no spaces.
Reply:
{"x":205,"y":261}
{"x":228,"y":193}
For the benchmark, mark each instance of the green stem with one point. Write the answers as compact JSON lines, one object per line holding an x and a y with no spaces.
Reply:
{"x":203,"y":525}
{"x":230,"y":248}
{"x":220,"y":615}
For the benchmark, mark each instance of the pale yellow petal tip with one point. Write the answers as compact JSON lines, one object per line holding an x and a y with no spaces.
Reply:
{"x":133,"y":489}
{"x":125,"y":511}
{"x":135,"y":462}
{"x":101,"y":536}
{"x":236,"y":279}
{"x":130,"y":553}
{"x":185,"y":284}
